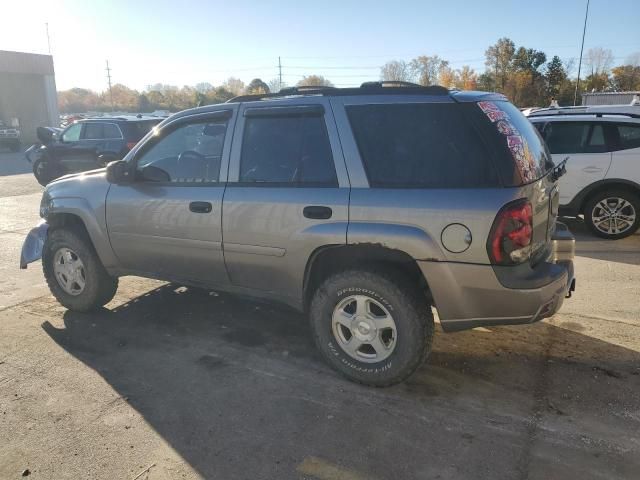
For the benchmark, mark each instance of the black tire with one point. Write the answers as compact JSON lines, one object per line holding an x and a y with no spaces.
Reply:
{"x":411,"y":314}
{"x":621,"y":193}
{"x":41,"y":172}
{"x":99,"y":286}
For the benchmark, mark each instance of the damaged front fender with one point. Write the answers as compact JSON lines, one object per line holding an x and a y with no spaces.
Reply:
{"x":33,"y":244}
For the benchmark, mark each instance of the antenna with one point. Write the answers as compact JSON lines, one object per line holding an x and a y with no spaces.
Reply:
{"x":280,"y":74}
{"x":584,"y":30}
{"x":109,"y":80}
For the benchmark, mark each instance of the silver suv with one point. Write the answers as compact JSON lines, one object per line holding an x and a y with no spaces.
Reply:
{"x":363,"y":207}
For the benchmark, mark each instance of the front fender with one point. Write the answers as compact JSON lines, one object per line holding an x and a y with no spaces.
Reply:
{"x":92,"y":217}
{"x":33,"y":244}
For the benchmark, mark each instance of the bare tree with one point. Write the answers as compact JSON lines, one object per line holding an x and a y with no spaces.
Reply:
{"x":314,"y":81}
{"x":467,"y":78}
{"x":633,"y":59}
{"x":599,"y":60}
{"x":275,"y":85}
{"x":427,"y":68}
{"x":234,"y":85}
{"x":396,"y":71}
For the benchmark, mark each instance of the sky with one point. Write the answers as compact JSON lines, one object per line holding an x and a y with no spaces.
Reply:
{"x":190,"y":41}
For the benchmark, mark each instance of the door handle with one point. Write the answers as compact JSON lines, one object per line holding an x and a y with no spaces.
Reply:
{"x":591,"y":169}
{"x":200,"y":207}
{"x":317,"y":212}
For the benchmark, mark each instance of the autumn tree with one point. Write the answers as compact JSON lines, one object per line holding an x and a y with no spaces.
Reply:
{"x":426,"y":69}
{"x":314,"y":81}
{"x":467,"y":78}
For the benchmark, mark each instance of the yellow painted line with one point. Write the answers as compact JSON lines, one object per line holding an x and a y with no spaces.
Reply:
{"x":322,"y":470}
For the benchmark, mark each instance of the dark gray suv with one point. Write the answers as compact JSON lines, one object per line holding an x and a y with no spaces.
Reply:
{"x":363,"y":207}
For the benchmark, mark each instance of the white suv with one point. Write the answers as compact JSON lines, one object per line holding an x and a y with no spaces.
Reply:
{"x":603,"y":169}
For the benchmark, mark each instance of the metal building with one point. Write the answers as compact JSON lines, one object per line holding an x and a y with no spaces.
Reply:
{"x":28,"y":97}
{"x":608,"y":98}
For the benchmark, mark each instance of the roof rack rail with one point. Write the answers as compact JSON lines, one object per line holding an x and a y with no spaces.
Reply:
{"x":367,"y":88}
{"x":543,"y":113}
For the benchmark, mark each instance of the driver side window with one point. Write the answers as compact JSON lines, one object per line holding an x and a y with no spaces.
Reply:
{"x":72,"y":134}
{"x":189,"y":154}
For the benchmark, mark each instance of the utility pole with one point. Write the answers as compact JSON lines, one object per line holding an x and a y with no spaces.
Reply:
{"x":46,"y":26}
{"x":109,"y":80}
{"x":584,"y":29}
{"x":280,"y":74}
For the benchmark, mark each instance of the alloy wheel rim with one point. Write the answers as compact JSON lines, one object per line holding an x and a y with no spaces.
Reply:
{"x":69,"y":271}
{"x":364,"y":329}
{"x":613,"y":215}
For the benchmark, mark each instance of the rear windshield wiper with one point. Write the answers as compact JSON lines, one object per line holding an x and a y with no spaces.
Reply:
{"x":559,"y":170}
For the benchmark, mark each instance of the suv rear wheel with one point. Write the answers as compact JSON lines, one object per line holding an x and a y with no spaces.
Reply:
{"x":74,"y":272}
{"x":373,"y":327}
{"x":613,"y":214}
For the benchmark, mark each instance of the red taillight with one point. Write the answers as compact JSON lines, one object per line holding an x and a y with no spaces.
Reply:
{"x":511,"y":234}
{"x":130,"y":145}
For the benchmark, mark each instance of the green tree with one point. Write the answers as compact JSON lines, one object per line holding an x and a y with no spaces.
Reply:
{"x":499,"y":62}
{"x":556,"y":76}
{"x":144,"y":105}
{"x":257,"y":86}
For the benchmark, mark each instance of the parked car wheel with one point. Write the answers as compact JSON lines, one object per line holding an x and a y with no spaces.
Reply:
{"x":73,"y":271}
{"x":613,"y":214}
{"x":43,"y":172}
{"x":373,"y":327}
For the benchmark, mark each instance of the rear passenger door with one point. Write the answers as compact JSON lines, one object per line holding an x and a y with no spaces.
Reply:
{"x":585,"y":143}
{"x":287,"y":194}
{"x":626,"y":156}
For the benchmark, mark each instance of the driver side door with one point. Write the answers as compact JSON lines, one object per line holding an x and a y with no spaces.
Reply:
{"x":167,"y":223}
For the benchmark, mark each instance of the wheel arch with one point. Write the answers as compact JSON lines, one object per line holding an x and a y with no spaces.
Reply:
{"x":602,"y":185}
{"x":330,"y":259}
{"x":75,"y":211}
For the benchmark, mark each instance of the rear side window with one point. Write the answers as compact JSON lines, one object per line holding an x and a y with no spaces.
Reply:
{"x":420,"y":145}
{"x":138,"y":129}
{"x":575,"y":137}
{"x":629,"y":136}
{"x":287,"y":150}
{"x":111,"y":131}
{"x":92,"y":131}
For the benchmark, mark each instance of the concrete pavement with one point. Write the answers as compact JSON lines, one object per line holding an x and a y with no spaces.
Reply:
{"x":169,"y":382}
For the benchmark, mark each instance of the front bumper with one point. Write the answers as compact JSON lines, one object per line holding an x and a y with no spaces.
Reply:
{"x":469,"y":295}
{"x":33,"y":244}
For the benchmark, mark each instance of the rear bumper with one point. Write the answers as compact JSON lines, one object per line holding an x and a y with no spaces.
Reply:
{"x":469,"y":295}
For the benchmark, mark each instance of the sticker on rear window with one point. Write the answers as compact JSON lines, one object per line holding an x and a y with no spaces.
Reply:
{"x":517,"y":144}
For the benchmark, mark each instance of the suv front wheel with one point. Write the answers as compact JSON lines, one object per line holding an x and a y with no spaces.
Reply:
{"x":373,"y":327}
{"x":613,"y":214}
{"x":74,"y":272}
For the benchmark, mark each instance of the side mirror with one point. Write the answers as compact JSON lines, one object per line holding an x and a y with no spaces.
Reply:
{"x":118,"y":172}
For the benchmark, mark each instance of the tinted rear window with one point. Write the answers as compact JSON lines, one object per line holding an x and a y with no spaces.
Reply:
{"x":522,"y":141}
{"x":420,"y":145}
{"x":137,"y":130}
